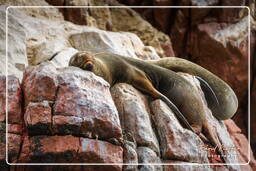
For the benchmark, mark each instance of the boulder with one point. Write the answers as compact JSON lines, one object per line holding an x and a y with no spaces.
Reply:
{"x":55,"y":149}
{"x":120,"y":43}
{"x":134,"y":113}
{"x":173,"y":136}
{"x":146,"y":155}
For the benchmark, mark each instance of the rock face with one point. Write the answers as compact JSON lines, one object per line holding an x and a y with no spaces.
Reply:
{"x":66,"y":115}
{"x":92,"y":123}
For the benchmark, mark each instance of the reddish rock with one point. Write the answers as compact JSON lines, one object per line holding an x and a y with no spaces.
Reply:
{"x":85,"y":95}
{"x":14,"y":142}
{"x":38,"y":118}
{"x":51,"y":149}
{"x":242,"y":144}
{"x":168,"y":50}
{"x":96,"y":151}
{"x":2,"y":149}
{"x":178,"y":34}
{"x":232,"y":15}
{"x":2,"y":97}
{"x":64,"y":125}
{"x":163,"y":16}
{"x":14,"y":101}
{"x":15,"y":129}
{"x":69,"y":149}
{"x":40,"y":83}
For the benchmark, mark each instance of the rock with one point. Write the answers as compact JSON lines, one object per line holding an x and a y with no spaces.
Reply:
{"x":17,"y":60}
{"x":46,"y":49}
{"x":62,"y":58}
{"x":55,"y":149}
{"x":232,"y":15}
{"x":178,"y":34}
{"x":130,"y":156}
{"x":242,"y":145}
{"x":175,"y":141}
{"x":40,"y":83}
{"x":65,"y":125}
{"x":15,"y":129}
{"x":14,"y":101}
{"x":146,"y":155}
{"x":125,"y":44}
{"x":135,"y":24}
{"x":14,"y":118}
{"x":109,"y":19}
{"x":2,"y":98}
{"x":45,"y":13}
{"x":86,"y":96}
{"x":52,"y":149}
{"x":2,"y":142}
{"x":95,"y":151}
{"x":134,"y":114}
{"x":14,"y":143}
{"x":38,"y":118}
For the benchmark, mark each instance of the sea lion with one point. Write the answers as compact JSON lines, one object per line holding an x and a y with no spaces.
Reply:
{"x":221,"y":99}
{"x":156,"y":81}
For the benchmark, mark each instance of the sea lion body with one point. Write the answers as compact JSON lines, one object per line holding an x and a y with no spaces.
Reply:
{"x":150,"y":79}
{"x":227,"y":100}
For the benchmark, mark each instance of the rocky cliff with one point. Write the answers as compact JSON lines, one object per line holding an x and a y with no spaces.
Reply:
{"x":60,"y":114}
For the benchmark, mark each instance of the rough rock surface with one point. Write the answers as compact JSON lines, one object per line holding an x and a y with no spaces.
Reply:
{"x":116,"y":19}
{"x":67,"y":115}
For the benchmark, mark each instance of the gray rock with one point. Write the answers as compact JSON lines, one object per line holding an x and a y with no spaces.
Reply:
{"x":62,"y":58}
{"x":148,"y":156}
{"x":121,"y":43}
{"x":16,"y":45}
{"x":175,"y":141}
{"x":134,"y":114}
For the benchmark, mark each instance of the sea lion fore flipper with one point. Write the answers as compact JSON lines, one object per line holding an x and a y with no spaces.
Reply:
{"x":141,"y":83}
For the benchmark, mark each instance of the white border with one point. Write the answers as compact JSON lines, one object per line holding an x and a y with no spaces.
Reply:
{"x":137,"y":164}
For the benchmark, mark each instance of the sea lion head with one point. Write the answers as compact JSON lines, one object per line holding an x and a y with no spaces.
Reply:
{"x":83,"y":60}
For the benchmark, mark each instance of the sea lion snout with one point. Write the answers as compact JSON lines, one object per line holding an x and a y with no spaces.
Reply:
{"x":88,"y":66}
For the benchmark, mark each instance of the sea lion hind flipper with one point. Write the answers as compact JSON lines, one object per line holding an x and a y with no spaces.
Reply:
{"x":208,"y":91}
{"x":177,"y":112}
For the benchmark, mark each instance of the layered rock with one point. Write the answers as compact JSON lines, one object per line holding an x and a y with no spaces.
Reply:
{"x":69,"y":115}
{"x":93,"y":130}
